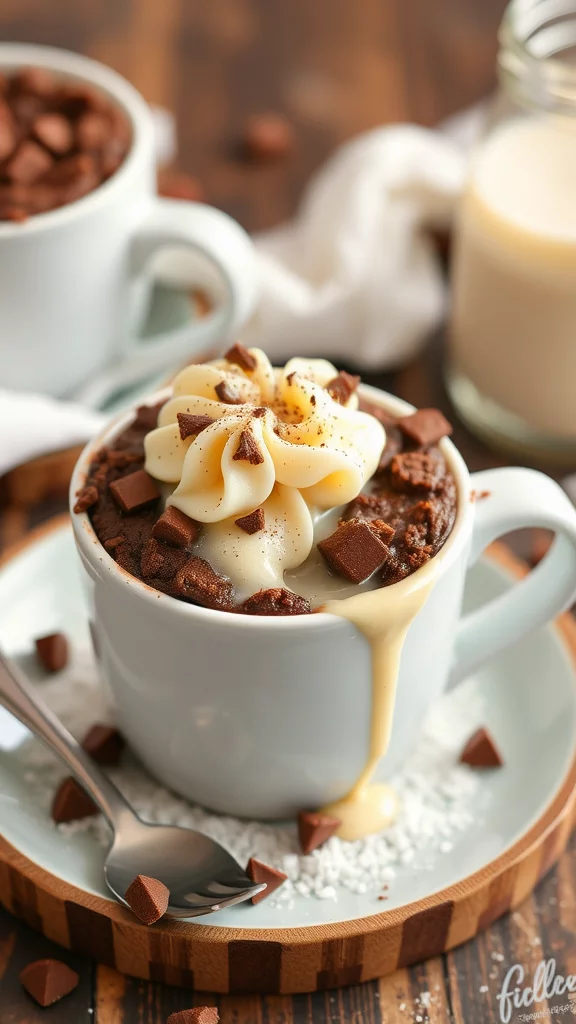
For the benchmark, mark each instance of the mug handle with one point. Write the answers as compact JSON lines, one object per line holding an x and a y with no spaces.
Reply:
{"x":517,"y":498}
{"x":224,"y":264}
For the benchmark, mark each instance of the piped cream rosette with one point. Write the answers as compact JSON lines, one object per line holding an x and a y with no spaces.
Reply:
{"x":313,"y":454}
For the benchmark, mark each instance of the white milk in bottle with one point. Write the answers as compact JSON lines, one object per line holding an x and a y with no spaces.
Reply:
{"x":512,"y":361}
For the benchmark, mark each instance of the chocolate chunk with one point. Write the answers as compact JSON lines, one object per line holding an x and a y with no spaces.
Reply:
{"x":342,"y":386}
{"x":135,"y":491}
{"x":177,"y":185}
{"x":173,"y":527}
{"x":276,"y":601}
{"x":7,"y":133}
{"x":148,"y":898}
{"x":47,"y":981}
{"x":39,"y":81}
{"x":190,"y":424}
{"x":152,"y":559}
{"x":147,"y":416}
{"x":481,"y":752}
{"x":252,"y":523}
{"x":314,"y":829}
{"x":198,"y":582}
{"x":54,"y":132}
{"x":196,"y":1015}
{"x":29,"y":162}
{"x":71,"y":802}
{"x":52,"y":651}
{"x":268,"y":137}
{"x":240,"y":356}
{"x":92,"y":130}
{"x":85,"y":498}
{"x":227,"y":393}
{"x":259,"y":412}
{"x":104,"y":744}
{"x":248,"y":449}
{"x":425,"y":427}
{"x":418,"y":471}
{"x":259,"y":872}
{"x":354,"y":550}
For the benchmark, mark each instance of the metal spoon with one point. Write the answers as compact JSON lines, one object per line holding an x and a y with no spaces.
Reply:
{"x":201,"y":875}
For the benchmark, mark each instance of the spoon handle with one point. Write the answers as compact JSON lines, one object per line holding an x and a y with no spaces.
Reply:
{"x":17,"y":696}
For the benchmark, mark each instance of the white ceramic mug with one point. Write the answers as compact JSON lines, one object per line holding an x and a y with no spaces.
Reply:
{"x":74,"y":282}
{"x":262,"y":716}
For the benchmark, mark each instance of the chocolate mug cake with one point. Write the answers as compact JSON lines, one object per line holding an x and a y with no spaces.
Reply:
{"x":267,"y":491}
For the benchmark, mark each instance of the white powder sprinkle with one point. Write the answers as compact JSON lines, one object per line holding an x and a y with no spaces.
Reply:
{"x":435,"y":797}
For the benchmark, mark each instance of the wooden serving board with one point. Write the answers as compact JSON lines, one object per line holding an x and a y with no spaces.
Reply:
{"x":291,"y":960}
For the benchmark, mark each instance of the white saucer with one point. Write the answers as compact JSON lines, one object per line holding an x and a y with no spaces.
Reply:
{"x":526,"y":697}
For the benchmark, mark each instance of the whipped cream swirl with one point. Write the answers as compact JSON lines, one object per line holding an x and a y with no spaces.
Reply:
{"x":310,"y":453}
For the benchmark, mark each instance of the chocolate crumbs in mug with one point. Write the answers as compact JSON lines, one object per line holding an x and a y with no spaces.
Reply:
{"x":440,"y":799}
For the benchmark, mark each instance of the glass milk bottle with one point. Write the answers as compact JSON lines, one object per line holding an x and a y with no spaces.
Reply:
{"x":512,"y":351}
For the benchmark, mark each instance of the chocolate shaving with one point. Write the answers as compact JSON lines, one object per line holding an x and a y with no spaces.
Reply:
{"x":425,"y":427}
{"x":190,"y":424}
{"x":342,"y":386}
{"x":252,"y":523}
{"x":228,"y":394}
{"x":248,"y":449}
{"x":240,"y":356}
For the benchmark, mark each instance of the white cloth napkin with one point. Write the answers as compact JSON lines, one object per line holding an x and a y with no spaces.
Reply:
{"x":354,"y":276}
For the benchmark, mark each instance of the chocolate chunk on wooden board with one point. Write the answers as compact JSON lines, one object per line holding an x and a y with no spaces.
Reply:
{"x":48,"y":981}
{"x":148,"y":898}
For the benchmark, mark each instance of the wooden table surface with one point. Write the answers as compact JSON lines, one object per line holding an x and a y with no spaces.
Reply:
{"x":335,"y":67}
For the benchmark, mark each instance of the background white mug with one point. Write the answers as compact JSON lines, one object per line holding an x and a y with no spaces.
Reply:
{"x":263,"y":716}
{"x":74,"y":282}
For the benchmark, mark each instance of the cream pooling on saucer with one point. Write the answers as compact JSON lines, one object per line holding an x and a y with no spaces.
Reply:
{"x":314,"y":454}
